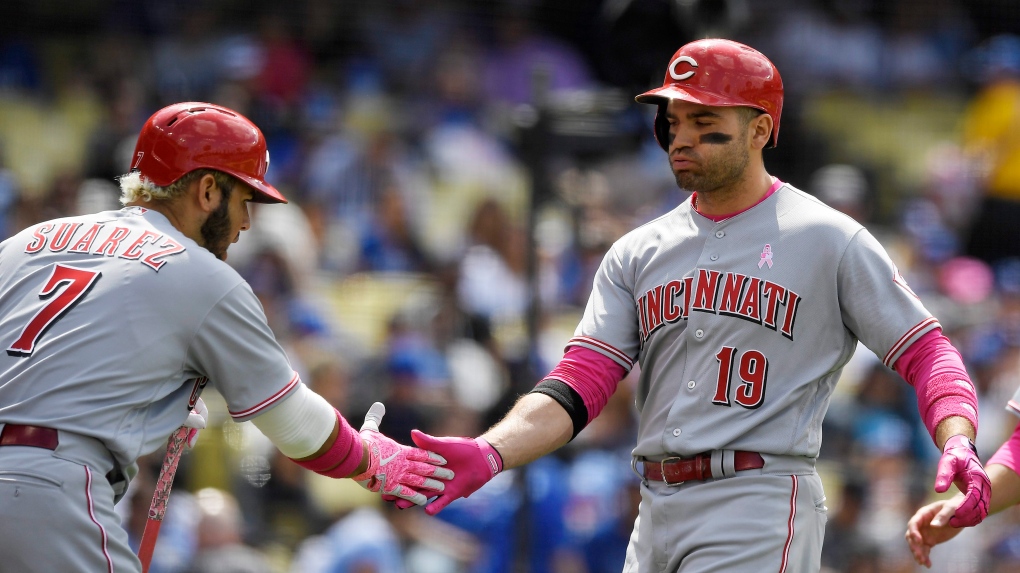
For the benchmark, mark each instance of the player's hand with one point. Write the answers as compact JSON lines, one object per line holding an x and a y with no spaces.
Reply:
{"x":473,"y":461}
{"x":397,"y":470}
{"x":960,"y":464}
{"x":930,"y":526}
{"x":197,"y":420}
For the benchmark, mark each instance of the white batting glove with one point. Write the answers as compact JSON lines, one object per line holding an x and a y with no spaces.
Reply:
{"x":197,"y":420}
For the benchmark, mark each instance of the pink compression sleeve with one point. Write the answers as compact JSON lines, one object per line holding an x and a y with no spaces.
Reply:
{"x":1008,"y":453}
{"x":592,"y":375}
{"x":934,"y":367}
{"x":346,"y":450}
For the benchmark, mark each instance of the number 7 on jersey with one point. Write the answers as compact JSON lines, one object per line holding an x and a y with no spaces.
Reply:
{"x":76,"y":282}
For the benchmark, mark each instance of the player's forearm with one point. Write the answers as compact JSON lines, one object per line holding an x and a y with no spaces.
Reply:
{"x":1005,"y":488}
{"x":1003,"y":467}
{"x":952,"y":426}
{"x":537,"y":425}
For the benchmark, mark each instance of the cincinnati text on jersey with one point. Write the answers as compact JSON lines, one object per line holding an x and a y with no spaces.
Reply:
{"x":148,"y":247}
{"x":727,"y":294}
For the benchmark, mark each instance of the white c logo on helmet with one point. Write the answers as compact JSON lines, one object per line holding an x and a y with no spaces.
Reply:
{"x":685,"y":75}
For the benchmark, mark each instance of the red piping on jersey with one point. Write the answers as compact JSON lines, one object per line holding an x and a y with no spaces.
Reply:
{"x":694,"y":203}
{"x":906,"y":337}
{"x":1015,"y":406}
{"x":789,"y":535}
{"x":268,"y":401}
{"x":626,"y":360}
{"x":92,"y":515}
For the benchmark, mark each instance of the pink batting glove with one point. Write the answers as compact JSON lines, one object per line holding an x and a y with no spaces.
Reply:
{"x":397,"y":470}
{"x":960,"y":464}
{"x":473,"y":461}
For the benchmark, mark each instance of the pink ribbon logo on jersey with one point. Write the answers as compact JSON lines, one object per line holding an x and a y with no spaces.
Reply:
{"x":766,"y":256}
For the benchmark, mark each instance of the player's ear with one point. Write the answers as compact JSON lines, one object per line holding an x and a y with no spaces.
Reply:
{"x":761,"y":130}
{"x":209,"y":193}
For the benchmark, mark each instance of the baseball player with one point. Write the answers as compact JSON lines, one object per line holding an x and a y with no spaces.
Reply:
{"x":112,"y":325}
{"x":741,"y":306}
{"x":932,"y":524}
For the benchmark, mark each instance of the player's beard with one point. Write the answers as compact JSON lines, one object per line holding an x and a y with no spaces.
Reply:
{"x":216,"y":229}
{"x":720,"y":171}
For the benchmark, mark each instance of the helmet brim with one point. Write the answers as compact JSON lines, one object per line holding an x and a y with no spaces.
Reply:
{"x":665,"y":93}
{"x":264,"y":192}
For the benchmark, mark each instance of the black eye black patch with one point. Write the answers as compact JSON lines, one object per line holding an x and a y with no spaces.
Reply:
{"x":715,"y":138}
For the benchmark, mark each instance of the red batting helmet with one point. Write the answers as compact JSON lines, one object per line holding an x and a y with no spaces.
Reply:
{"x":721,"y":73}
{"x":183,"y":137}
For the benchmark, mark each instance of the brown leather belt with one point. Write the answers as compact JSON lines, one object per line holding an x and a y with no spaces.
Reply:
{"x":46,"y":438}
{"x":33,"y":436}
{"x":675,"y":471}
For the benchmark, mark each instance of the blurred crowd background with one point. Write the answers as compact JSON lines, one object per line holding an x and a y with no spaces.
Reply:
{"x":457,"y":169}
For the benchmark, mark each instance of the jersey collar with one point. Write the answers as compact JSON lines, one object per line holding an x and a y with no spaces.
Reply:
{"x":776,"y":184}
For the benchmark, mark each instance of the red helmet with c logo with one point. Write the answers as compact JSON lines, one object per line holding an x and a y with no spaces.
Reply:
{"x":183,"y":137}
{"x":717,"y":72}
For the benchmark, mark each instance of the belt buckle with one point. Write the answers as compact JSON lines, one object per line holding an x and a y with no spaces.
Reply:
{"x":662,"y":467}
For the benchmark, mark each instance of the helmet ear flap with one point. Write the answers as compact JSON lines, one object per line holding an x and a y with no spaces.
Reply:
{"x":662,"y":127}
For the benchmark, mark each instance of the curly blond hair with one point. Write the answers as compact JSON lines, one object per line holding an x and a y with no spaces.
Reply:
{"x":135,"y":187}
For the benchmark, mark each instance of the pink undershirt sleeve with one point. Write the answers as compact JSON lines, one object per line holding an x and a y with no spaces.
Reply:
{"x":592,"y":375}
{"x":934,"y":367}
{"x":1008,"y":453}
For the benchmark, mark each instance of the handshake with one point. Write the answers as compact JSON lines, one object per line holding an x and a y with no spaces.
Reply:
{"x":445,"y":469}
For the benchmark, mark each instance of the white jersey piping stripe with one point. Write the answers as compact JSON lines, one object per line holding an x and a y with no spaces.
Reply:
{"x":1014,"y":405}
{"x":268,"y":401}
{"x":906,"y":337}
{"x":789,"y":535}
{"x":617,"y":355}
{"x":92,"y":515}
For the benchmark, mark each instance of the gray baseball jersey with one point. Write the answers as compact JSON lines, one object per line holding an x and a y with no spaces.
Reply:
{"x":1014,"y":403}
{"x":112,"y":322}
{"x":742,"y":327}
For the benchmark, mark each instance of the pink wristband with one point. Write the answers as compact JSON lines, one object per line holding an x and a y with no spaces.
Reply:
{"x":345,"y":451}
{"x":1008,"y":453}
